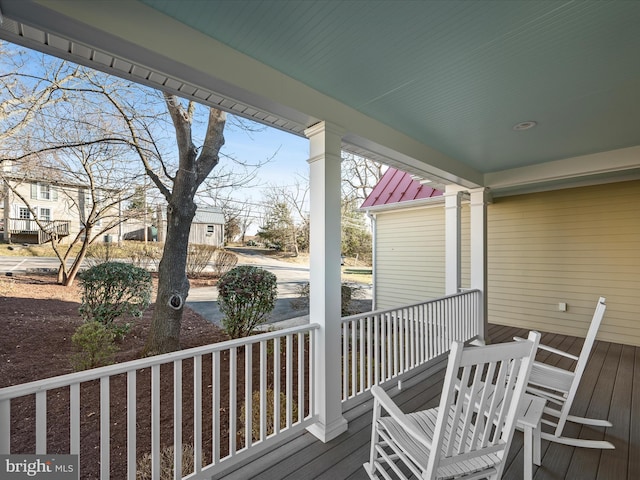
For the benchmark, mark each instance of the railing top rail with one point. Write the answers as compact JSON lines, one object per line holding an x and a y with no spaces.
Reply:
{"x":110,"y":370}
{"x":400,"y":307}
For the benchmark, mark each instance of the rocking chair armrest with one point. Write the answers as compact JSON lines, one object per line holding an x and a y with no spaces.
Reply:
{"x":398,"y":415}
{"x":547,"y":348}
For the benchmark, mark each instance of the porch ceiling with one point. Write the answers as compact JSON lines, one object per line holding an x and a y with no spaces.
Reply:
{"x":431,"y":87}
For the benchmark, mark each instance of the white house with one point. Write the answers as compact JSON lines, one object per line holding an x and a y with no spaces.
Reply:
{"x":59,"y":207}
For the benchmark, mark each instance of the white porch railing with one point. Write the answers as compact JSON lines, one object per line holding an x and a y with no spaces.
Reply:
{"x":195,"y":397}
{"x":182,"y":392}
{"x":382,"y":345}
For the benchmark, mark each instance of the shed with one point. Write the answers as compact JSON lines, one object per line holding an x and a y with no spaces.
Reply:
{"x":207,"y":227}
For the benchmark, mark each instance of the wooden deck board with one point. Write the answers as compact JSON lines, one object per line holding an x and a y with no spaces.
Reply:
{"x":610,"y":389}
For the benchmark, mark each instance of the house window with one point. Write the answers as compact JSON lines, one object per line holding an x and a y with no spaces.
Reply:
{"x":43,"y":191}
{"x":210,"y":228}
{"x":24,"y":213}
{"x":45,"y":214}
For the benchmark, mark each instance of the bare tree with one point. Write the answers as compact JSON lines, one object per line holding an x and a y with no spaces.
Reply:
{"x":194,"y":166}
{"x":289,"y":211}
{"x":359,"y":176}
{"x":26,"y":92}
{"x":53,"y":131}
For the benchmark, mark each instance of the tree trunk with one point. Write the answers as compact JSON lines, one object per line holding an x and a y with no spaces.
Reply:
{"x":173,"y":285}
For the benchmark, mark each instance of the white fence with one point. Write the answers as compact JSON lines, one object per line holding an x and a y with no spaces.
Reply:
{"x":382,"y":345}
{"x":225,"y":400}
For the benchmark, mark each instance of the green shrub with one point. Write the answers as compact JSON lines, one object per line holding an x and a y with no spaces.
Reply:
{"x":95,"y":345}
{"x":246,"y":296}
{"x":111,"y":290}
{"x":198,"y":257}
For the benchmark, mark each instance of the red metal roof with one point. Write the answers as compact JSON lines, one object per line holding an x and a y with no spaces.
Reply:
{"x":397,"y":186}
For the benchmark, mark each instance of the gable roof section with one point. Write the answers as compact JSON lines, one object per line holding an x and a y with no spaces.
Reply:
{"x":209,"y":215}
{"x":397,"y":186}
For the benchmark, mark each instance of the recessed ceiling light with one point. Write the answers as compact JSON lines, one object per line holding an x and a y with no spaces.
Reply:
{"x":524,"y":125}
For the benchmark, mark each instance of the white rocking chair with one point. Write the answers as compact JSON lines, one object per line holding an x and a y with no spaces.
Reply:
{"x":469,"y":434}
{"x":559,"y":386}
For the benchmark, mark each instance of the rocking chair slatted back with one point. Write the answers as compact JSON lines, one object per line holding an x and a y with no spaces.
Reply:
{"x":468,"y":435}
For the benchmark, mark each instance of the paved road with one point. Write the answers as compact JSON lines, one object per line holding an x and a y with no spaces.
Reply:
{"x":22,"y":264}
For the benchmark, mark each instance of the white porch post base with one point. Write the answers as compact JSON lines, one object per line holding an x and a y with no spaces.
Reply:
{"x":325,"y":433}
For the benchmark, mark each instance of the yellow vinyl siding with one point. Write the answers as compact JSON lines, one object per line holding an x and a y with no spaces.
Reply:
{"x":410,"y":256}
{"x":567,"y":246}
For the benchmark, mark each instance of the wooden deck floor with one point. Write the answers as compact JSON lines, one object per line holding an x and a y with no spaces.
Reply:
{"x":609,"y":389}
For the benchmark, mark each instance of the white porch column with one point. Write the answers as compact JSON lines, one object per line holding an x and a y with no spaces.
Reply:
{"x":479,"y":198}
{"x":452,"y":211}
{"x":324,"y":296}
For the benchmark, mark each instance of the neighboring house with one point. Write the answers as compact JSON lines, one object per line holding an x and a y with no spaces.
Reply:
{"x":207,"y":227}
{"x":59,"y":207}
{"x":546,"y":248}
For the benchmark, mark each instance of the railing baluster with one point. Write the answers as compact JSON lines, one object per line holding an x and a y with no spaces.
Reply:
{"x":376,"y":352}
{"x":215,"y":401}
{"x":131,"y":424}
{"x":233,"y":389}
{"x":361,"y":345}
{"x":289,"y":380}
{"x":177,"y":420}
{"x":312,"y":372}
{"x":105,"y":420}
{"x":248,"y":395}
{"x":396,"y":344}
{"x":263,"y":390}
{"x":301,"y":381}
{"x":390,"y":336}
{"x":370,"y":358}
{"x":74,"y":419}
{"x":345,"y":361}
{"x":354,"y":359}
{"x":41,"y":422}
{"x":155,"y":421}
{"x":197,"y":413}
{"x":276,"y":386}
